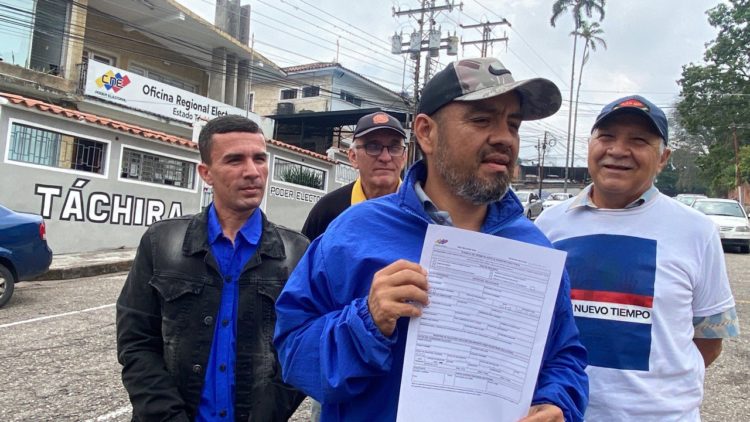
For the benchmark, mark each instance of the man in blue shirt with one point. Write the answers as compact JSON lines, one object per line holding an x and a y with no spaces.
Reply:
{"x":341,"y":330}
{"x":195,"y":318}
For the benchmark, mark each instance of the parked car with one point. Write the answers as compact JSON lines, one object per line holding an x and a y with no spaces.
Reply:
{"x":24,"y":253}
{"x":532,"y":205}
{"x":731,"y":219}
{"x":556,"y":198}
{"x":689,"y":198}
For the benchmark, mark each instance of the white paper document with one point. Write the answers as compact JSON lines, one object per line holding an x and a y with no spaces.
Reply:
{"x":475,"y":352}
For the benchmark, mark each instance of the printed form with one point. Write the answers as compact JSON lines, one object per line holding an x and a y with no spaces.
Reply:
{"x":475,"y":353}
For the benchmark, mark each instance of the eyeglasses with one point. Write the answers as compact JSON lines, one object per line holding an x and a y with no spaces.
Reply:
{"x":374,"y":150}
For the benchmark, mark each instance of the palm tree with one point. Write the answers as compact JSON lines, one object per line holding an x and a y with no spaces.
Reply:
{"x":590,"y":33}
{"x":577,"y":8}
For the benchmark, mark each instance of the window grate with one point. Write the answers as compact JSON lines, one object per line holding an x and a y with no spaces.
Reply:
{"x":43,"y":147}
{"x":152,"y":168}
{"x":298,"y":174}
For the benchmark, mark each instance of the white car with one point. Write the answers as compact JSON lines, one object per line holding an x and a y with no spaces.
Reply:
{"x":555,"y":198}
{"x":731,"y":220}
{"x":532,"y":205}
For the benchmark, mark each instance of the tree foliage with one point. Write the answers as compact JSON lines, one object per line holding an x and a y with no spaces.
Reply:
{"x":578,"y":8}
{"x":715,"y":95}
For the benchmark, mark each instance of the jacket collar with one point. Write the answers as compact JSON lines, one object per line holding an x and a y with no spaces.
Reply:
{"x":196,"y":237}
{"x":499,"y":212}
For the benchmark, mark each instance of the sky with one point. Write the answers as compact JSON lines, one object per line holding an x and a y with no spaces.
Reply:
{"x":648,"y":42}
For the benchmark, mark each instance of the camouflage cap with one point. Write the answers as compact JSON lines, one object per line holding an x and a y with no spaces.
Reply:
{"x":477,"y":79}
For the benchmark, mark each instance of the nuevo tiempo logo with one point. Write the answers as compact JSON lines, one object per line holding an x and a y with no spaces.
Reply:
{"x":441,"y":241}
{"x":112,"y":81}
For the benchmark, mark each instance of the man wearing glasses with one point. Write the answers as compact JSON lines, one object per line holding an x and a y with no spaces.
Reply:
{"x":378,"y":152}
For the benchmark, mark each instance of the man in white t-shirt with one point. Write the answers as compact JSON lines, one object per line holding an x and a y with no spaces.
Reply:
{"x":650,"y":291}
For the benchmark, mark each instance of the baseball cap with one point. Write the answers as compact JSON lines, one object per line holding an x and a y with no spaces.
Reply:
{"x":376,"y":121}
{"x":487,"y":77}
{"x":637,"y":105}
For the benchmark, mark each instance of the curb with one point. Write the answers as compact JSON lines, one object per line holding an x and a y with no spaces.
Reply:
{"x":85,"y":271}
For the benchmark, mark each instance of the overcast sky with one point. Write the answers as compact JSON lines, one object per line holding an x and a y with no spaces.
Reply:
{"x":648,"y":43}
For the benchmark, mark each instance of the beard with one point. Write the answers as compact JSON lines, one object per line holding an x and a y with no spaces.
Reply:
{"x":463,"y":178}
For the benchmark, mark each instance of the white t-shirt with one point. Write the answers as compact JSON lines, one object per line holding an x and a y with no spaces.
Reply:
{"x":638,"y":278}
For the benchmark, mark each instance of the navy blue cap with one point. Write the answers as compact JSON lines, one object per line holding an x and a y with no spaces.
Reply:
{"x":638,"y":105}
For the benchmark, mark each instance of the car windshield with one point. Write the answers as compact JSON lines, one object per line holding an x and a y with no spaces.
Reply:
{"x":523,"y":196}
{"x":731,"y":209}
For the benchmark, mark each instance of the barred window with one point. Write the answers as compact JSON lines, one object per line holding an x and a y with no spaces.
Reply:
{"x":310,"y":91}
{"x":288,"y":94}
{"x":351,"y":98}
{"x":298,"y":174}
{"x":158,"y":169}
{"x":33,"y":145}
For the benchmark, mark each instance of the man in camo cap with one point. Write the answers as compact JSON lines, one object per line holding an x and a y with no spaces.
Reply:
{"x":343,"y":315}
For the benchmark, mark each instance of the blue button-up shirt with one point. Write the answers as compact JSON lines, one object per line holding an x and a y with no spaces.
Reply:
{"x":217,"y":398}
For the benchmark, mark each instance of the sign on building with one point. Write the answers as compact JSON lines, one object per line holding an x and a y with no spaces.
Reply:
{"x":141,"y":93}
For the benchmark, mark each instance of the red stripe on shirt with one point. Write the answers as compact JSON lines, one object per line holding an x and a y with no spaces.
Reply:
{"x":612,"y":297}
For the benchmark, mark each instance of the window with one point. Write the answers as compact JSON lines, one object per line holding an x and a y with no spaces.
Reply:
{"x":97,"y":57}
{"x":310,"y":91}
{"x":35,"y":34}
{"x":160,"y":77}
{"x":345,"y":173}
{"x":351,"y":98}
{"x":288,"y":94}
{"x":298,"y":174}
{"x":43,"y":147}
{"x":158,"y":169}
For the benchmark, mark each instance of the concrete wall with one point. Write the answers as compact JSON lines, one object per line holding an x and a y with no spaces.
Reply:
{"x":268,"y":94}
{"x":288,"y":204}
{"x":71,"y":224}
{"x":375,"y":97}
{"x":133,"y":48}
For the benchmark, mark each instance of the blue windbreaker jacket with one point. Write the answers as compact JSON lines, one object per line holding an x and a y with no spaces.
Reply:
{"x":329,"y":346}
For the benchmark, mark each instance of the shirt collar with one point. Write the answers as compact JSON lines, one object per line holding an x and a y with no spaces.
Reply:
{"x":440,"y":217}
{"x":583,"y":199}
{"x":358,"y":193}
{"x":250,"y":231}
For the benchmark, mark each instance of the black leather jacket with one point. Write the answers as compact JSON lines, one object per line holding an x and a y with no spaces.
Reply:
{"x":166,"y":318}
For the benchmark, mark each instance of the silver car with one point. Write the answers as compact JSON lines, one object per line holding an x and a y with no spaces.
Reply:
{"x":532,"y":205}
{"x":730,"y":218}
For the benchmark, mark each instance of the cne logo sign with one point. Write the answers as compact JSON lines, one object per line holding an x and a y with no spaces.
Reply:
{"x":112,"y":81}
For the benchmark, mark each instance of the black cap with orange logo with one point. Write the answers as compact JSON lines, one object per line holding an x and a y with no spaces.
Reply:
{"x":376,"y":121}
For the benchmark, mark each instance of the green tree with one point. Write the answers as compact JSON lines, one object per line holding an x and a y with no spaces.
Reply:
{"x":591,"y":34}
{"x":577,"y":8}
{"x":716,"y":94}
{"x":686,"y":148}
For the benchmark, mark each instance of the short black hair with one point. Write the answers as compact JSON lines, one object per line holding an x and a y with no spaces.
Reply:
{"x":223,"y":124}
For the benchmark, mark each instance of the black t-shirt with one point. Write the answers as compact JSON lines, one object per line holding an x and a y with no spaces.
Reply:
{"x":326,"y":209}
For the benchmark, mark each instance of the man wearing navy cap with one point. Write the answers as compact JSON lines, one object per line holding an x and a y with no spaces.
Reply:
{"x":342,"y":318}
{"x":650,"y":291}
{"x":379,"y":153}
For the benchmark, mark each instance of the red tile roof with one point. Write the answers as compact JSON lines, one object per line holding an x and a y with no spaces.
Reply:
{"x":103,"y":121}
{"x":132,"y":129}
{"x":300,"y":150}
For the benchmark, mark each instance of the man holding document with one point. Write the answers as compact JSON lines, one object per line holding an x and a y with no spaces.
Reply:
{"x":340,"y":333}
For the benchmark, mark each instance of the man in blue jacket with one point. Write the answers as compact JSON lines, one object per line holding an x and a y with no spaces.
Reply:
{"x":341,"y":326}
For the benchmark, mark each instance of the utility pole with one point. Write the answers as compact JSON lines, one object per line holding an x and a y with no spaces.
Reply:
{"x":419,"y":42}
{"x":486,"y":34}
{"x":737,"y":178}
{"x":541,"y":151}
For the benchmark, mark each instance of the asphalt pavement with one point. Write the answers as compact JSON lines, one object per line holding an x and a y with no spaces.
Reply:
{"x":57,"y":343}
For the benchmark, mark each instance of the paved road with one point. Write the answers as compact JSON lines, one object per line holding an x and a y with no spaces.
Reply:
{"x":58,"y":354}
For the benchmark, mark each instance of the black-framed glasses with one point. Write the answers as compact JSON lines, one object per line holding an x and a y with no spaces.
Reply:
{"x":374,"y":150}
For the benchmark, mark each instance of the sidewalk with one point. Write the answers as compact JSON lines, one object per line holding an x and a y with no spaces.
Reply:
{"x":89,"y":264}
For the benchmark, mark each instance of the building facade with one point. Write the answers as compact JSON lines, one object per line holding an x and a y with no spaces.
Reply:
{"x":100,"y":104}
